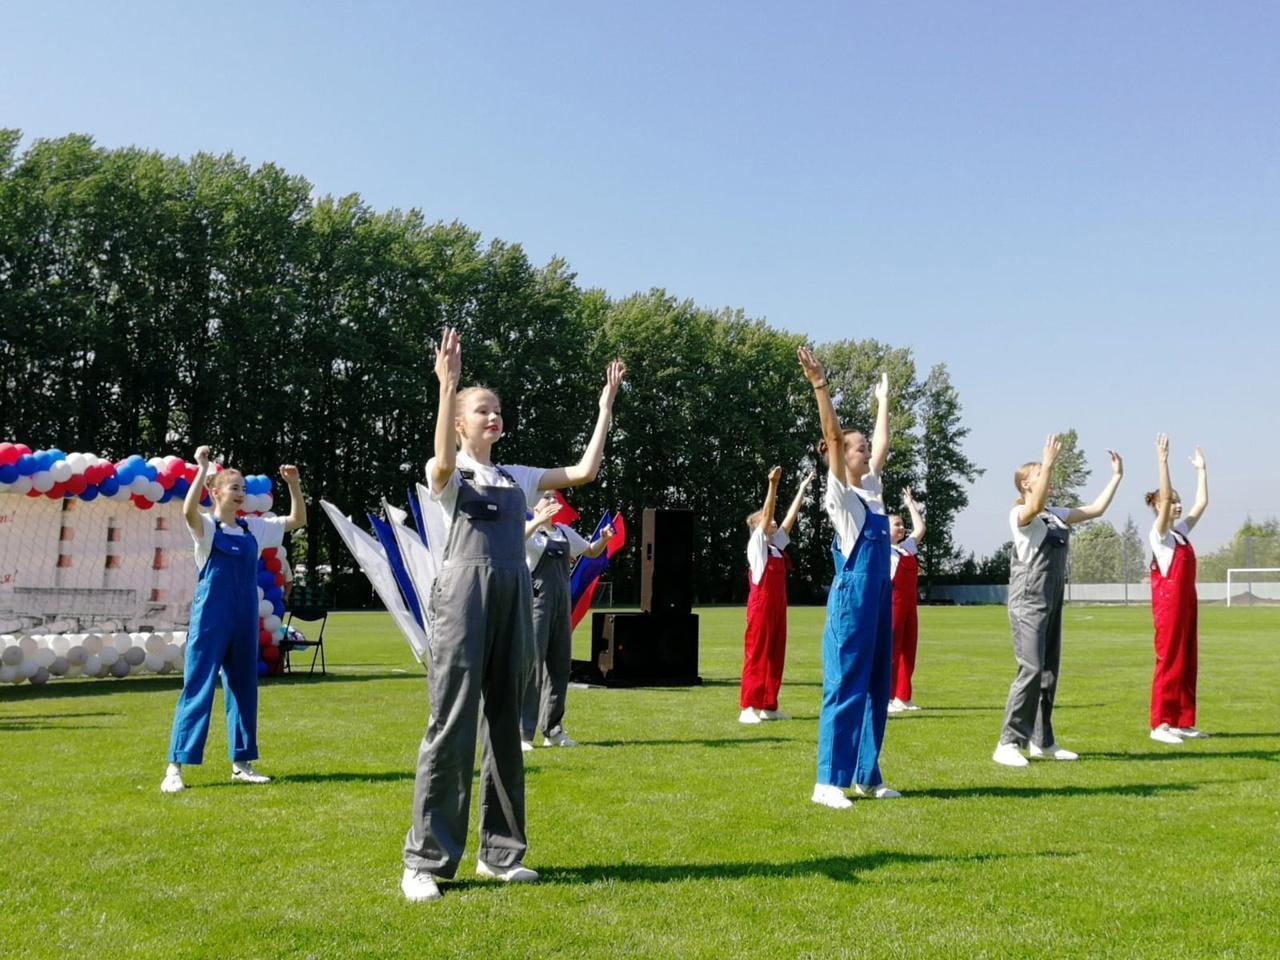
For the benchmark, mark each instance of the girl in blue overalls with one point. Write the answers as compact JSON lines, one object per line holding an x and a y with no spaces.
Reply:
{"x":480,"y":636}
{"x":222,"y":636}
{"x":857,"y":642}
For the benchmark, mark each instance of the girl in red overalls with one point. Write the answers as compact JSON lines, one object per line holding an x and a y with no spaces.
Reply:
{"x":904,"y":571}
{"x":1173,"y":603}
{"x":765,"y":642}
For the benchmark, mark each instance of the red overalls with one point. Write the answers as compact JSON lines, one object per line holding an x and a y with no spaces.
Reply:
{"x":765,"y":642}
{"x":906,"y":624}
{"x":1173,"y":607}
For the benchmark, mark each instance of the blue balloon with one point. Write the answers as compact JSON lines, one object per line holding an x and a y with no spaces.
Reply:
{"x":43,"y":461}
{"x":90,"y":493}
{"x":26,"y":465}
{"x":262,"y":668}
{"x":266,"y":581}
{"x":150,"y":472}
{"x":8,"y":473}
{"x":272,"y":594}
{"x":277,"y":608}
{"x":55,"y":455}
{"x":168,"y":495}
{"x":109,"y":486}
{"x":180,"y":487}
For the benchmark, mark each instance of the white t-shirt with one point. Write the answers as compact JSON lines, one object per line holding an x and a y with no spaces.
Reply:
{"x":286,"y":571}
{"x":439,"y":513}
{"x":758,"y":551}
{"x":537,"y":544}
{"x":847,"y":507}
{"x":1026,"y":540}
{"x":906,"y":548}
{"x":1162,"y":547}
{"x":268,"y":531}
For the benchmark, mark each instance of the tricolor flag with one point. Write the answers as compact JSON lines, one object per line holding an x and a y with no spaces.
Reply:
{"x":582,"y":585}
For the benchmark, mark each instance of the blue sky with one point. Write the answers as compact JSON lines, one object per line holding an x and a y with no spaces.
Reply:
{"x":1076,"y":207}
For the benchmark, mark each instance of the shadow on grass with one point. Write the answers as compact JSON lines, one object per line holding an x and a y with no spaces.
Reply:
{"x":1186,"y":753}
{"x":735,"y":682}
{"x":27,"y":722}
{"x":374,"y":776}
{"x":841,"y":869}
{"x":725,"y":742}
{"x":1113,"y":790}
{"x":1244,"y":735}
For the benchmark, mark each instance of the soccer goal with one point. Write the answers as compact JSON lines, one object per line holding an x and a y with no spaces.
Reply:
{"x":1268,"y":590}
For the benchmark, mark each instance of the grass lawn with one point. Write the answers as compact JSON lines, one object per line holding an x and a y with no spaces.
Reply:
{"x":673,"y":831}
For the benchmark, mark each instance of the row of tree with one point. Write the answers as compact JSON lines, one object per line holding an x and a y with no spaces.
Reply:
{"x":150,"y":304}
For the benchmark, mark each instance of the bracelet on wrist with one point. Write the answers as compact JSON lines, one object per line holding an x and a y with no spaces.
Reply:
{"x":820,"y":386}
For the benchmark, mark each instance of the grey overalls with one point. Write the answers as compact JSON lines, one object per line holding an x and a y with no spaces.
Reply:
{"x":1035,"y":616}
{"x":544,"y":696}
{"x":479,"y":646}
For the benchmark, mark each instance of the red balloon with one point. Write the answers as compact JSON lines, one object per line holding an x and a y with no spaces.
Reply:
{"x":77,"y":483}
{"x":33,"y":492}
{"x":8,"y":454}
{"x":264,"y":638}
{"x":270,"y":552}
{"x":272,"y":564}
{"x":56,"y":491}
{"x":166,"y":480}
{"x":141,"y":502}
{"x":23,"y":449}
{"x":270,"y":654}
{"x":279,"y":578}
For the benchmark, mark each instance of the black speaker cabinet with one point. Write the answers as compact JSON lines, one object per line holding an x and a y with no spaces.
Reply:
{"x":666,"y":566}
{"x":645,"y":649}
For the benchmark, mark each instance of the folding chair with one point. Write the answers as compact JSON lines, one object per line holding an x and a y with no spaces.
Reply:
{"x":310,"y":605}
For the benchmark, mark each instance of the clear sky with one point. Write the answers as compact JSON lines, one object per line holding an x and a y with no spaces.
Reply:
{"x":1076,"y":206}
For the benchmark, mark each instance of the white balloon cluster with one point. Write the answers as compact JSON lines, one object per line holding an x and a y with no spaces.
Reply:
{"x":38,"y":658}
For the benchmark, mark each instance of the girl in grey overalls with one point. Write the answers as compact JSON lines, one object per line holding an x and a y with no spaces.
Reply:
{"x":1037,"y":577}
{"x":479,"y":633}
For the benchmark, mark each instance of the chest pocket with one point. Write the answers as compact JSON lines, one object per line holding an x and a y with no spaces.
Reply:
{"x":556,"y":549}
{"x":1055,"y":536}
{"x":479,"y":508}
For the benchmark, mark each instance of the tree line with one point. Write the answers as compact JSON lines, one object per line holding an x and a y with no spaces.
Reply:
{"x":150,"y":303}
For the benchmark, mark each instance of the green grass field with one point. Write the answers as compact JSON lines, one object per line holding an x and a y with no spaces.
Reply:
{"x":673,"y":831}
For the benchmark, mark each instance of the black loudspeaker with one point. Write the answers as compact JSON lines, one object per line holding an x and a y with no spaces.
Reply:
{"x":666,"y":565}
{"x":639,"y":649}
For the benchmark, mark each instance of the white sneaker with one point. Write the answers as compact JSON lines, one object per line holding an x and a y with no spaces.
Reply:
{"x":830,"y":796}
{"x":172,"y":782}
{"x":418,"y":885}
{"x":909,"y":705}
{"x":748,"y":715}
{"x":897,"y":706}
{"x":526,"y":746}
{"x":1051,"y":752}
{"x":1163,"y":734}
{"x":773,"y":715}
{"x":243,"y":771}
{"x":516,"y":873}
{"x":560,"y":739}
{"x":1188,"y":733}
{"x":1008,"y":754}
{"x":875,"y":793}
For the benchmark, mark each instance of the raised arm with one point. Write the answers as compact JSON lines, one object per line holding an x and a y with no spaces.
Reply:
{"x":770,"y":499}
{"x":600,"y":542}
{"x":191,"y":502}
{"x":1202,"y":490}
{"x":832,"y":435}
{"x":880,"y":439}
{"x":585,"y":470}
{"x":793,"y":512}
{"x":448,"y":369}
{"x":1099,"y":506}
{"x":1039,"y":494}
{"x":917,"y":518}
{"x":1164,"y":496}
{"x":297,"y":505}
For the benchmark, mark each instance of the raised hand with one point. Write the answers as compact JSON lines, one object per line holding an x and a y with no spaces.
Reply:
{"x":202,"y":456}
{"x":1117,"y":465}
{"x":607,"y":534}
{"x":614,"y":374}
{"x":907,"y":498}
{"x":289,"y":474}
{"x":449,"y":358}
{"x":882,"y":389}
{"x":1051,"y":447}
{"x":812,"y":368}
{"x":775,"y":476}
{"x":1162,"y":447}
{"x":808,"y":479}
{"x":544,"y":510}
{"x":1197,"y":461}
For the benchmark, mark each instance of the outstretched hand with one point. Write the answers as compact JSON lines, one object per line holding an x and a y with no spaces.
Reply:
{"x":449,"y":358}
{"x":907,"y":499}
{"x":607,"y":534}
{"x":1162,"y":447}
{"x":1197,"y":461}
{"x":813,"y":371}
{"x":775,"y":476}
{"x":1117,"y":465}
{"x":882,"y":389}
{"x":289,"y":474}
{"x":614,"y":374}
{"x":544,"y":510}
{"x":1051,"y":447}
{"x":202,"y":456}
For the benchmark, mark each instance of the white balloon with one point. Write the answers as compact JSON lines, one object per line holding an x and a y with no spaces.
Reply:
{"x":8,"y":674}
{"x":154,"y":662}
{"x":154,"y":643}
{"x":77,"y":462}
{"x":20,"y":486}
{"x":140,"y":483}
{"x":265,"y":609}
{"x":40,"y":676}
{"x":61,"y":471}
{"x":44,"y":657}
{"x":61,"y":644}
{"x":12,"y":656}
{"x":262,"y":594}
{"x":76,"y":655}
{"x":134,"y":656}
{"x":120,"y":668}
{"x":92,"y":665}
{"x":121,"y":641}
{"x":28,"y":646}
{"x":167,"y":667}
{"x":42,"y":481}
{"x":171,"y":653}
{"x":109,"y":655}
{"x":59,"y":666}
{"x":271,"y":623}
{"x":28,"y":668}
{"x":92,"y":642}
